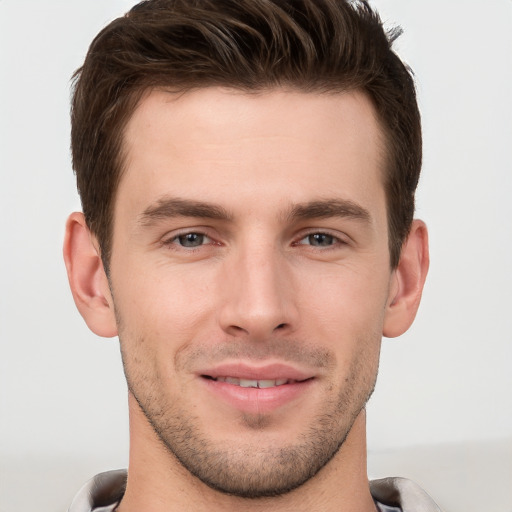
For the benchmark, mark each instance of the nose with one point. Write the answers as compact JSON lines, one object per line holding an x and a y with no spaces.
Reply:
{"x":258,"y":295}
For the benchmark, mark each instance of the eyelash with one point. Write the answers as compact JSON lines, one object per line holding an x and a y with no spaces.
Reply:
{"x":337,"y":241}
{"x":173,"y":242}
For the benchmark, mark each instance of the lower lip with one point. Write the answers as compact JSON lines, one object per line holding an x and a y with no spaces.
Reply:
{"x":258,"y":400}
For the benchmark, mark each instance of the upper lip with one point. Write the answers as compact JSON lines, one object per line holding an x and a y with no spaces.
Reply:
{"x":271,"y":371}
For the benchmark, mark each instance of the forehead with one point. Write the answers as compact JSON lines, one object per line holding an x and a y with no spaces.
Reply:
{"x":230,"y":146}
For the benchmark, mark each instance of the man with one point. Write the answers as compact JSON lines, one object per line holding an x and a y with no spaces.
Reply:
{"x":247,"y":171}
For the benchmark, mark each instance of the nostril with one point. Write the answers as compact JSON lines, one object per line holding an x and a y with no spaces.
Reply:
{"x":280,"y":326}
{"x":238,"y":328}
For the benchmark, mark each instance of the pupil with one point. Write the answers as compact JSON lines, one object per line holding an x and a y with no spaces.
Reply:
{"x":320,"y":239}
{"x":191,"y":240}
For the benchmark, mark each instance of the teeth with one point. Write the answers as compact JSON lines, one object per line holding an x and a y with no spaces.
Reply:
{"x":267,"y":383}
{"x":246,"y":383}
{"x":253,"y":383}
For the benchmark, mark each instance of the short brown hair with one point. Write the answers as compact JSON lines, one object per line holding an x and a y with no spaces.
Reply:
{"x":310,"y":45}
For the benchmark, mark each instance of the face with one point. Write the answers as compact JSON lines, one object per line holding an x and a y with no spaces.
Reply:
{"x":250,"y":276}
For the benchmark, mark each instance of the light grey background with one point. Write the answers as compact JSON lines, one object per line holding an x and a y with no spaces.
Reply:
{"x":449,"y":380}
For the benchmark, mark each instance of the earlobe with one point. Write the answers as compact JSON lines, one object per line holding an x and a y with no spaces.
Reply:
{"x":87,"y":278}
{"x":407,"y":282}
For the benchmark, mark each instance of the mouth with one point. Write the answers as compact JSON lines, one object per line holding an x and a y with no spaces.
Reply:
{"x":253,"y":383}
{"x":254,"y":389}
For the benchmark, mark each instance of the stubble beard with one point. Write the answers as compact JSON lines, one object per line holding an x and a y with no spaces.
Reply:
{"x":253,"y":470}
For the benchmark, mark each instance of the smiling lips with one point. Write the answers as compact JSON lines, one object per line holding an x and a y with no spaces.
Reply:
{"x":257,"y":389}
{"x":253,"y":383}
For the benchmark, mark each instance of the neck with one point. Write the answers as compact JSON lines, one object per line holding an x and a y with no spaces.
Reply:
{"x":157,"y":482}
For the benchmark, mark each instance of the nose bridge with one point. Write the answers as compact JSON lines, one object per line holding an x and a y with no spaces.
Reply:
{"x":257,"y":298}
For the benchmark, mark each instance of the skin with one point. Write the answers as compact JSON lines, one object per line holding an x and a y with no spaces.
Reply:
{"x":249,"y":230}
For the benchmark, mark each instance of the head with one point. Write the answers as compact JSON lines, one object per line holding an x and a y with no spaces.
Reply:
{"x":247,"y":171}
{"x":308,"y":45}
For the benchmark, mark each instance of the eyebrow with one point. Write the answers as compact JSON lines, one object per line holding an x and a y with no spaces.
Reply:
{"x":329,"y":208}
{"x":167,"y":207}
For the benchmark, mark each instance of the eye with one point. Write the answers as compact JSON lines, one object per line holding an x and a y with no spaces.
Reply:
{"x":319,"y":240}
{"x":191,"y":240}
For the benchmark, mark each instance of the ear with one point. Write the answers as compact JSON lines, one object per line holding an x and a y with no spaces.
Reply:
{"x":87,"y":278}
{"x":407,"y":282}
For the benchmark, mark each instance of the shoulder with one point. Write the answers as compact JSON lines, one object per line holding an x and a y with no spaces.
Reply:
{"x":402,"y":493}
{"x":100,"y":494}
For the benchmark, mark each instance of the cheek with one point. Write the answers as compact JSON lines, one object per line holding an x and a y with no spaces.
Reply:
{"x":346,"y":314}
{"x":345,"y":299}
{"x":162,"y":302}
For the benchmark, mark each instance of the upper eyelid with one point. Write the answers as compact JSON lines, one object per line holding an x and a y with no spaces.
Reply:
{"x":199,"y":233}
{"x":211,"y":233}
{"x":343,"y":237}
{"x":171,"y":243}
{"x":337,"y":243}
{"x":200,"y":230}
{"x":170,"y":239}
